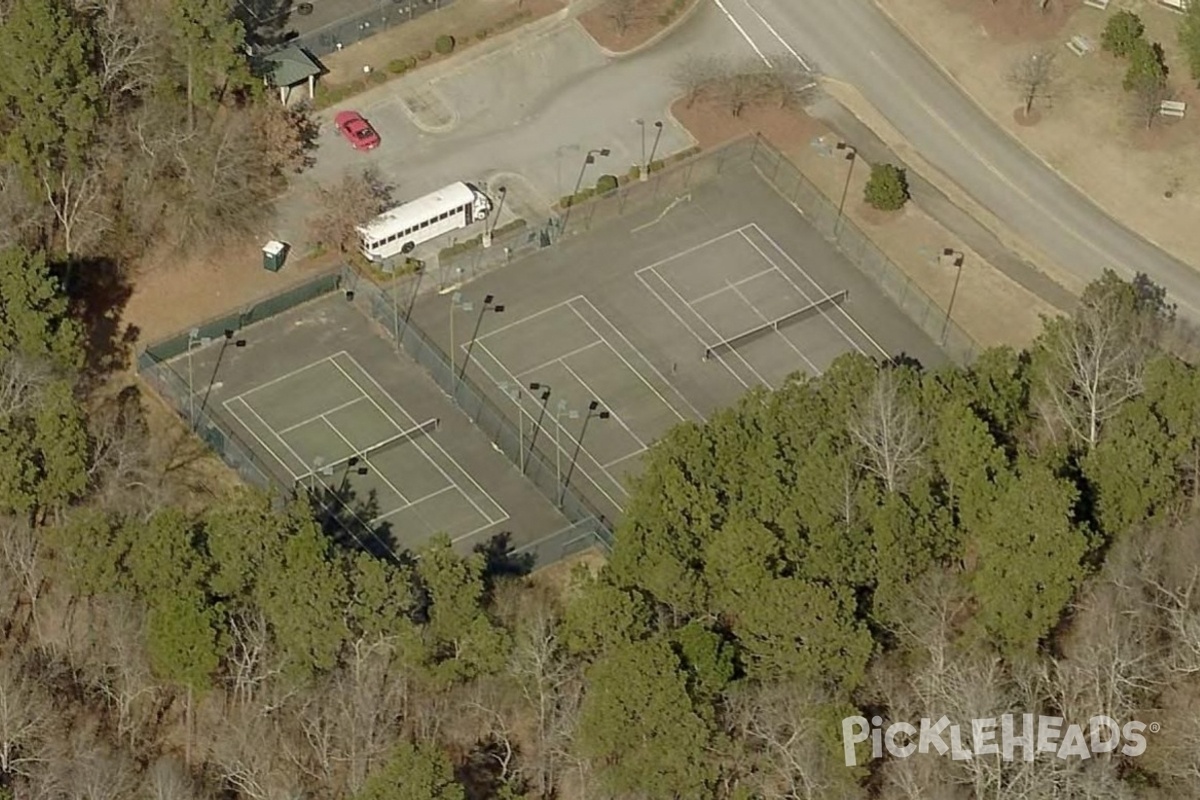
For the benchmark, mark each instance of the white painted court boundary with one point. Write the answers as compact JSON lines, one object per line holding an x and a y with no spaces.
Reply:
{"x":501,"y":514}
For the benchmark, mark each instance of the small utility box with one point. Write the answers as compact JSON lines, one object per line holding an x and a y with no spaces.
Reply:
{"x":274,"y":254}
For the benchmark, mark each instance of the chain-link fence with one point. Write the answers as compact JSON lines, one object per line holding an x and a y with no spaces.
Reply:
{"x":389,"y":307}
{"x":508,"y":246}
{"x":174,"y":386}
{"x":353,"y":29}
{"x":862,"y":252}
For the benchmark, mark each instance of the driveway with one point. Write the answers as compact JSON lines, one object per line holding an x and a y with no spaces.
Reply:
{"x":525,"y":115}
{"x":853,"y":41}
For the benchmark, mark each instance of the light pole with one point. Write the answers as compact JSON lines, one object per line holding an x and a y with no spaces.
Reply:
{"x":958,"y":257}
{"x":194,"y":340}
{"x":560,"y":411}
{"x":544,"y":389}
{"x":488,"y":305}
{"x":456,"y":304}
{"x":653,"y":150}
{"x":594,"y":412}
{"x":489,"y":226}
{"x":228,"y":333}
{"x":850,"y":155}
{"x":590,"y":158}
{"x":515,"y":394}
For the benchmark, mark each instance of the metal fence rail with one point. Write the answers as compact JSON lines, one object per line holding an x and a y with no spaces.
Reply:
{"x":388,"y":309}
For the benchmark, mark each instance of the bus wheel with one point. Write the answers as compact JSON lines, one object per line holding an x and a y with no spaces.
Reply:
{"x":408,"y":248}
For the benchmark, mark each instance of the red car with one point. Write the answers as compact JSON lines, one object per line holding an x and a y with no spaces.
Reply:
{"x":357,"y":130}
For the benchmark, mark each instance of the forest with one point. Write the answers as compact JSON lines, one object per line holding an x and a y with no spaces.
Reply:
{"x":1015,"y":537}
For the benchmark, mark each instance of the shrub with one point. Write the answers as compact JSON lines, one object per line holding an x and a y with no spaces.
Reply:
{"x":482,"y":34}
{"x":1147,"y":67}
{"x":424,"y":55}
{"x":606,"y":183}
{"x":887,"y":188}
{"x":508,"y":227}
{"x":664,"y":19}
{"x":1122,"y":32}
{"x":444,"y":44}
{"x":633,"y":174}
{"x":398,"y":66}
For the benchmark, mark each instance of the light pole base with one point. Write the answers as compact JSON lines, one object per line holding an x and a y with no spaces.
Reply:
{"x":643,"y":174}
{"x":487,"y":238}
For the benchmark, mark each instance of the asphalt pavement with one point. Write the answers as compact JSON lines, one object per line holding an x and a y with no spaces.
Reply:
{"x":852,"y":40}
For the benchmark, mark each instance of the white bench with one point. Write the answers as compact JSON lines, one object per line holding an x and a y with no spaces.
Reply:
{"x":1080,"y":45}
{"x":1100,"y":4}
{"x":1175,"y":5}
{"x":1172,"y":108}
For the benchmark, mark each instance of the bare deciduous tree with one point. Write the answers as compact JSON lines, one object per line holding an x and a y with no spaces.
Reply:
{"x":21,"y":383}
{"x":26,"y":716}
{"x":250,"y":662}
{"x":168,"y":779}
{"x":621,"y":13}
{"x":126,"y":66}
{"x":1147,"y":96}
{"x":788,"y":80}
{"x":288,"y":135}
{"x":344,"y":206}
{"x":697,"y":74}
{"x":1033,"y":76}
{"x":890,"y":431}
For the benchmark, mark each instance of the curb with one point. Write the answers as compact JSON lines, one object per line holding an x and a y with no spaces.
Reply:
{"x":653,"y":40}
{"x":903,"y":31}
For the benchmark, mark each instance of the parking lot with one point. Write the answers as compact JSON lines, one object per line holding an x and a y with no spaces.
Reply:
{"x":664,"y":316}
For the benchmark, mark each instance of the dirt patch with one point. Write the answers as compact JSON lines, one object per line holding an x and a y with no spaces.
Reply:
{"x":1026,"y":119}
{"x":1089,"y":133}
{"x":619,"y":26}
{"x":1018,"y":20}
{"x":468,"y":21}
{"x":990,"y":307}
{"x":169,"y":295}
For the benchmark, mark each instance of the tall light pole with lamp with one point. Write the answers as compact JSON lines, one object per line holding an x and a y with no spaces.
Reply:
{"x":957,"y":259}
{"x":594,"y":412}
{"x":560,"y":410}
{"x":489,"y":225}
{"x":657,"y":136}
{"x":488,"y":305}
{"x":851,"y":155}
{"x":543,"y":390}
{"x":590,"y":158}
{"x":456,"y":304}
{"x":516,"y":394}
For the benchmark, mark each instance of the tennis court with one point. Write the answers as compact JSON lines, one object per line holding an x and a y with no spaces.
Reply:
{"x":753,"y":310}
{"x":332,"y":428}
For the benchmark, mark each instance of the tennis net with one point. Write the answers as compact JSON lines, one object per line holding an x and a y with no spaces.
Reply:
{"x":416,"y":432}
{"x":733,"y":342}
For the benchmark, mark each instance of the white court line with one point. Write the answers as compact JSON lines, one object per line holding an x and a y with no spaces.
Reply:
{"x":786,"y":341}
{"x":316,"y":417}
{"x":779,"y":38}
{"x":257,"y":438}
{"x":711,"y":329}
{"x":608,"y":406}
{"x":689,"y":250}
{"x":640,"y":355}
{"x":616,"y":461}
{"x":282,"y":441}
{"x":574,"y":352}
{"x":687,"y":327}
{"x":742,"y":31}
{"x":420,"y":442}
{"x":378,"y":472}
{"x":282,"y":378}
{"x":538,"y":426}
{"x":729,"y":285}
{"x":522,"y":320}
{"x":809,"y":278}
{"x":412,"y":503}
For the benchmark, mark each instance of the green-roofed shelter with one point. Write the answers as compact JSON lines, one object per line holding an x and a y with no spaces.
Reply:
{"x":289,"y":67}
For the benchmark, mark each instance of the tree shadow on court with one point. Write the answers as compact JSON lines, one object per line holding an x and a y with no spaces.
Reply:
{"x":98,"y":290}
{"x":345,"y":518}
{"x":901,"y":360}
{"x":266,"y":22}
{"x":501,"y":561}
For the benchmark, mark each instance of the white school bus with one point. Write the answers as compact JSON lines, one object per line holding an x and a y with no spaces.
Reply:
{"x":398,"y":230}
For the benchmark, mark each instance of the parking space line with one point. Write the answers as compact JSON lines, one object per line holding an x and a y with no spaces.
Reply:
{"x":604,"y":403}
{"x":640,"y":355}
{"x":570,"y":439}
{"x":316,"y":417}
{"x":554,"y":361}
{"x":229,"y":408}
{"x":419,"y":442}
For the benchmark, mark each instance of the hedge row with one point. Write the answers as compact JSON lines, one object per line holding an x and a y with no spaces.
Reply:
{"x":477,"y":240}
{"x":608,"y":183}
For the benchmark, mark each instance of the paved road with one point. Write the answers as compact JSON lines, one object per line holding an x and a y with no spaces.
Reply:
{"x":853,"y":41}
